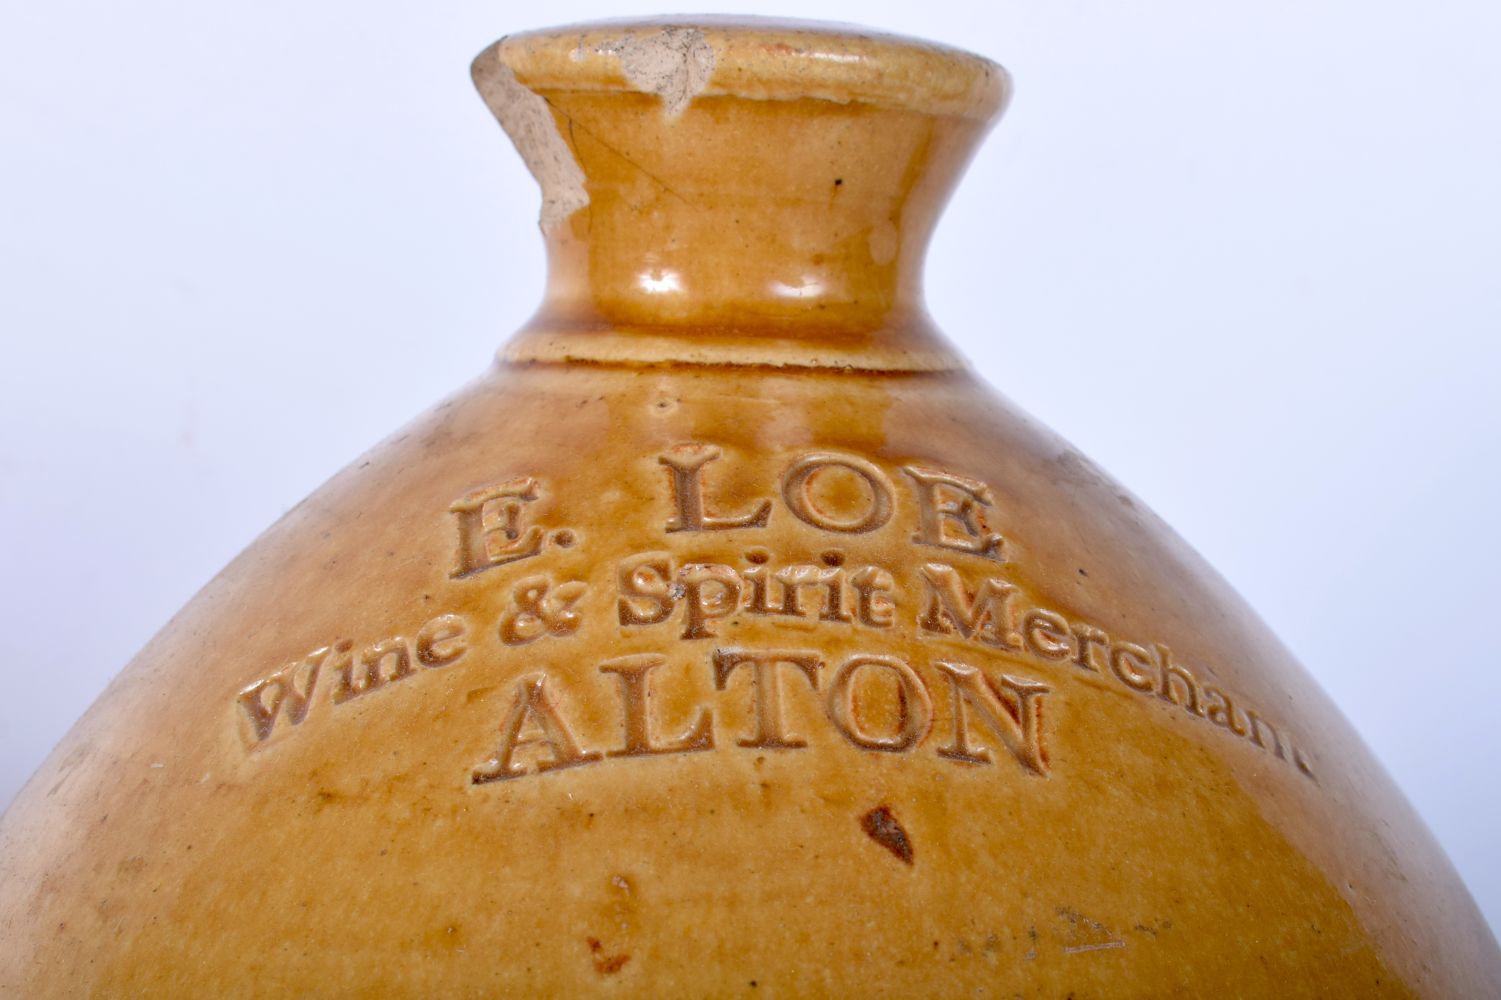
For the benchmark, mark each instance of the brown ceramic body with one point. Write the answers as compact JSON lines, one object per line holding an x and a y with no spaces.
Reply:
{"x":727,"y":638}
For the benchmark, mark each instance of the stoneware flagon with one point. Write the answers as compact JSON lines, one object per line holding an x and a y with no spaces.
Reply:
{"x":727,"y":638}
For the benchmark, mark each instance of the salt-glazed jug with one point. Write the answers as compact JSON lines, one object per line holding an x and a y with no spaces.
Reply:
{"x":727,"y":638}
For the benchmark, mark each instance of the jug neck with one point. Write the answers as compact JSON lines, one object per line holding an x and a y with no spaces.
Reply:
{"x":737,"y":190}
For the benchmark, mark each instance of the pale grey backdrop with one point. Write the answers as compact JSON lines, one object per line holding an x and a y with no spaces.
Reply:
{"x":1245,"y":255}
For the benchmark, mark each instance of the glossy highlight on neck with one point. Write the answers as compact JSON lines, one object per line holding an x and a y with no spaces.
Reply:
{"x":724,"y":185}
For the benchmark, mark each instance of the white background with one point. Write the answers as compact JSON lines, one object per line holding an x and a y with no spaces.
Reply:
{"x":1245,"y":255}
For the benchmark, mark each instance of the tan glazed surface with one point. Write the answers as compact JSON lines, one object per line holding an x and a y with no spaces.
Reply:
{"x":727,"y":638}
